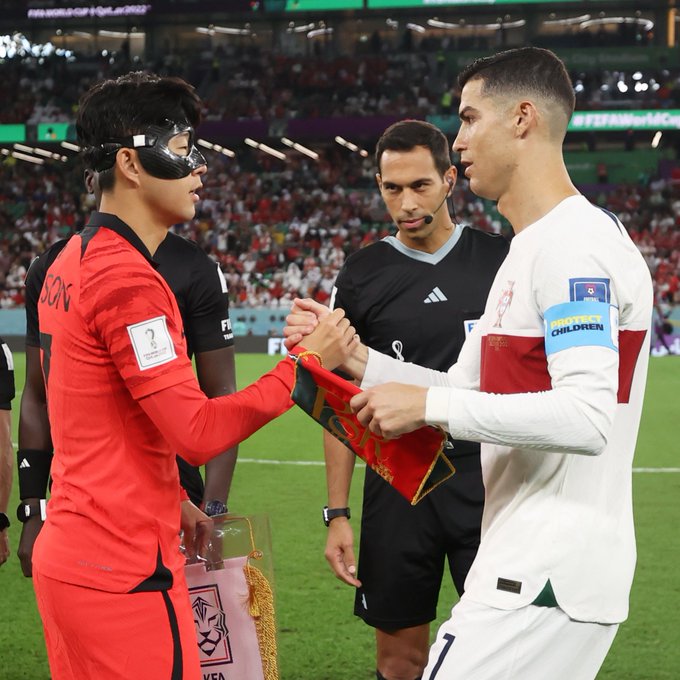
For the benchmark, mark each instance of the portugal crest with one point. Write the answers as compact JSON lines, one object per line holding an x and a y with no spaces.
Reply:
{"x":503,"y":303}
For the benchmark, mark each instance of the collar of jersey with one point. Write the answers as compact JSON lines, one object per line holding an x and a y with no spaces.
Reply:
{"x":101,"y":219}
{"x":430,"y":258}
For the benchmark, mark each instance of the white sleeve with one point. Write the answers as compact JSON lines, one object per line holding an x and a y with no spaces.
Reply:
{"x":577,"y":414}
{"x":573,"y":416}
{"x":381,"y":368}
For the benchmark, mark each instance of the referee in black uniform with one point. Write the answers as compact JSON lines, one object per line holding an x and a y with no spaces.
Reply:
{"x":202,"y":297}
{"x":6,"y":458}
{"x":414,"y":296}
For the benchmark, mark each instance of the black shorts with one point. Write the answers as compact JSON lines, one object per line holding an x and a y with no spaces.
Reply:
{"x":403,"y":548}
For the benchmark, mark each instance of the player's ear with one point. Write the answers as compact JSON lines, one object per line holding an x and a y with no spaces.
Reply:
{"x":128,"y":165}
{"x":451,"y":176}
{"x":378,"y":180}
{"x":526,"y":117}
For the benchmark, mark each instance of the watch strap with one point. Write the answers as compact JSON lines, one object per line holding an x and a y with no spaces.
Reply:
{"x":4,"y":521}
{"x":331,"y":513}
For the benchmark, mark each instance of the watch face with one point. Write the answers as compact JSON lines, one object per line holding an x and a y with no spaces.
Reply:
{"x":213,"y":508}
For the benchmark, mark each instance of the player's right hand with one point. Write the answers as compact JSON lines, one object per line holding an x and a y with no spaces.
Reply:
{"x":334,"y":340}
{"x":304,"y":317}
{"x":340,"y":551}
{"x":29,"y":532}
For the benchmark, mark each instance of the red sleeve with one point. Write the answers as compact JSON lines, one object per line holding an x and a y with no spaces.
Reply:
{"x":137,"y":320}
{"x":199,"y":428}
{"x":183,"y":495}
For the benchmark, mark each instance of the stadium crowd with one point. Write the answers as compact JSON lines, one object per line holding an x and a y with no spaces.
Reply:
{"x":252,"y":83}
{"x":284,"y":230}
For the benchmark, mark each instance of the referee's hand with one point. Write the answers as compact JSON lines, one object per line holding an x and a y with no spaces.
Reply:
{"x":340,"y":551}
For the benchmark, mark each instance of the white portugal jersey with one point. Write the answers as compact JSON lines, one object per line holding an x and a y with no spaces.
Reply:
{"x":558,"y":363}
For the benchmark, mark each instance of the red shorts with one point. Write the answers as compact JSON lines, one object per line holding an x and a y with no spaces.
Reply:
{"x":114,"y":636}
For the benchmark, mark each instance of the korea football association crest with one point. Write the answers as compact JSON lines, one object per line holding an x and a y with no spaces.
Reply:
{"x":212,"y":632}
{"x":504,"y":303}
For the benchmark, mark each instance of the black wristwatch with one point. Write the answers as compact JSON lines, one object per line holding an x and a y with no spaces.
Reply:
{"x":332,"y":513}
{"x":213,"y":508}
{"x":4,"y":521}
{"x":34,"y":509}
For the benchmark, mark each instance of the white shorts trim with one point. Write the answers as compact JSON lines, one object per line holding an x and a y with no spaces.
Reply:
{"x":531,"y":643}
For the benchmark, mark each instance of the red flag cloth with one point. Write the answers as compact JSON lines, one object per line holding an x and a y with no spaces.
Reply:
{"x":413,"y":464}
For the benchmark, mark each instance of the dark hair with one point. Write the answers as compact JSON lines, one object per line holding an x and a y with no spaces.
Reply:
{"x":128,"y":105}
{"x":407,"y":134}
{"x":530,"y":70}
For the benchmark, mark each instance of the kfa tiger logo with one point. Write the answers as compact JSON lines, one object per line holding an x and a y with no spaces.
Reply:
{"x":211,"y":626}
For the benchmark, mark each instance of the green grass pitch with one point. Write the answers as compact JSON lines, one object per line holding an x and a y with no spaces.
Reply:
{"x":319,"y":638}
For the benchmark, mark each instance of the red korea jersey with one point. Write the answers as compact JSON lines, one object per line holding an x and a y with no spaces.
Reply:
{"x":110,"y":334}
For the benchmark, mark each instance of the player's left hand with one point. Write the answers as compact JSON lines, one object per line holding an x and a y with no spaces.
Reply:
{"x":197,"y":529}
{"x":392,"y":409}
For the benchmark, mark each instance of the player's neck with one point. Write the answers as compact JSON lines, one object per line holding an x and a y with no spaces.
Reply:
{"x":139,"y":217}
{"x":530,"y":197}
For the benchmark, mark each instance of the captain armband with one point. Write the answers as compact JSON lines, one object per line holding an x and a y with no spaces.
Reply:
{"x":581,"y":323}
{"x":33,"y":466}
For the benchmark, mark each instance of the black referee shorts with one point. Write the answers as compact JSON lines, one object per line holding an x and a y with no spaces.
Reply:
{"x":403,"y":548}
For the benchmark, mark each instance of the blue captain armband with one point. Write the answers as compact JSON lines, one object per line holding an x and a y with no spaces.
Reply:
{"x":581,"y":324}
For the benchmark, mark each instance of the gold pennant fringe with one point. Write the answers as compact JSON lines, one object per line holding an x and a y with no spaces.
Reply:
{"x":261,"y":608}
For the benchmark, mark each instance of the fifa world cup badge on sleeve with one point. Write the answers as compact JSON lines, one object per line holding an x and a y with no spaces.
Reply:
{"x":413,"y":464}
{"x":152,"y":343}
{"x":589,"y":290}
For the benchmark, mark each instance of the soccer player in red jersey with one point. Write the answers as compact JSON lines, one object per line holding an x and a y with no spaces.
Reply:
{"x":202,"y":297}
{"x":122,"y":399}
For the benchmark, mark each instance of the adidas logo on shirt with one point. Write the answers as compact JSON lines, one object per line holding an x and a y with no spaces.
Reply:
{"x":24,"y":464}
{"x":435,"y":296}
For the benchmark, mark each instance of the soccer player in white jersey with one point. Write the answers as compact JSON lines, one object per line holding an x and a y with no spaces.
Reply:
{"x":551,"y":381}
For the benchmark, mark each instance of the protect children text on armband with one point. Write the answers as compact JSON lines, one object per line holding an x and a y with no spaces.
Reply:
{"x":584,"y":323}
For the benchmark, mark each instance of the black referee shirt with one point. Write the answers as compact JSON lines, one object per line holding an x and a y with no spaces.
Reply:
{"x":420,"y":307}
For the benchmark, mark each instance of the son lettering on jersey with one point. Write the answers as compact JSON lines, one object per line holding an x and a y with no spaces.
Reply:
{"x":152,"y":343}
{"x":55,"y":292}
{"x":581,"y":324}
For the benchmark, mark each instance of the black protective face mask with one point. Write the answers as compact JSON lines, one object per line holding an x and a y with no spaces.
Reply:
{"x":154,"y":151}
